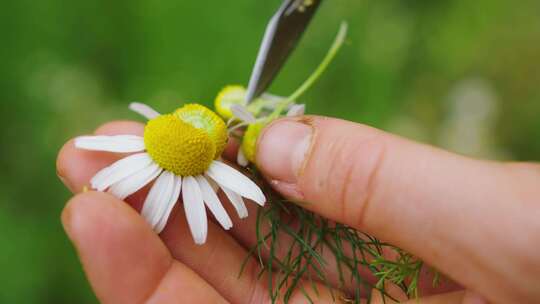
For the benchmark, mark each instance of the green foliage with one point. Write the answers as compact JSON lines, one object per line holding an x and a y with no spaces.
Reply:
{"x":68,"y":66}
{"x":291,"y":246}
{"x":404,"y":271}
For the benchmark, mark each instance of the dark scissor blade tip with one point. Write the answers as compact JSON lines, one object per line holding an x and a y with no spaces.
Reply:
{"x":281,"y":37}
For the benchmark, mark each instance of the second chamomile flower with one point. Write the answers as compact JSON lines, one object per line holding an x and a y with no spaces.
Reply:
{"x":231,"y":104}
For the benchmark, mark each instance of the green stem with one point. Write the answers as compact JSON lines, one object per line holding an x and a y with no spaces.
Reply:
{"x":332,"y":52}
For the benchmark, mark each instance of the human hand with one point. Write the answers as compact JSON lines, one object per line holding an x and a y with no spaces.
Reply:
{"x":476,"y":221}
{"x":126,"y":262}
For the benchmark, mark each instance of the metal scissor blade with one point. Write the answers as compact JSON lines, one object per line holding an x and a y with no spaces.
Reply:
{"x":281,"y":37}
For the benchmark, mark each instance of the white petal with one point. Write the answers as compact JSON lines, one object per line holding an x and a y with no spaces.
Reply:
{"x":213,"y":203}
{"x":297,"y":110}
{"x":158,"y":199}
{"x":151,"y":203}
{"x":117,"y":143}
{"x":228,"y":177}
{"x":154,"y":204}
{"x":143,"y":110}
{"x":135,"y":182}
{"x":237,"y":201}
{"x":213,"y":184}
{"x":241,"y":158}
{"x":243,"y":114}
{"x":194,"y":208}
{"x":174,"y":198}
{"x":100,"y":177}
{"x":120,"y":170}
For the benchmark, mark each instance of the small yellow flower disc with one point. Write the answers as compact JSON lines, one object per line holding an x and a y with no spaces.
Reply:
{"x":249,"y":143}
{"x":205,"y":119}
{"x":177,"y":146}
{"x":228,"y":96}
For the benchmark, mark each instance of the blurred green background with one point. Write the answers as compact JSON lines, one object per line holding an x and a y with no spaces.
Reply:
{"x":461,"y":74}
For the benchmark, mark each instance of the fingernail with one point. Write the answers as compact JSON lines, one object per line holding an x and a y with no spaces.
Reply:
{"x":282,"y":149}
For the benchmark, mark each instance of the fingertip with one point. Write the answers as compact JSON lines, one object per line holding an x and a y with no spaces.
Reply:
{"x":120,"y":127}
{"x":87,"y":214}
{"x":122,"y":257}
{"x":75,"y":167}
{"x":62,"y":161}
{"x":65,"y":217}
{"x":71,"y":209}
{"x":282,"y":148}
{"x":92,"y":217}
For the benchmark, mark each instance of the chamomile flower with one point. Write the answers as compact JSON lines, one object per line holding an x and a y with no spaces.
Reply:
{"x":231,"y":104}
{"x":180,"y":153}
{"x":227,"y":97}
{"x":247,"y":151}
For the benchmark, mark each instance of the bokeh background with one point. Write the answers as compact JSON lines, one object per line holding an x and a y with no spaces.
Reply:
{"x":460,"y":74}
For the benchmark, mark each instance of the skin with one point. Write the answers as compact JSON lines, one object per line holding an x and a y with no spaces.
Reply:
{"x":475,"y":221}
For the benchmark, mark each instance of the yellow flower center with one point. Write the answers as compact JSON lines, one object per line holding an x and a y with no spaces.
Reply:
{"x":249,"y":142}
{"x":186,"y":142}
{"x":205,"y":119}
{"x":229,"y":96}
{"x":177,"y":146}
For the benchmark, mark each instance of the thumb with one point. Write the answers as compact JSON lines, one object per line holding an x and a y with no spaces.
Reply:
{"x":427,"y":201}
{"x":124,"y":259}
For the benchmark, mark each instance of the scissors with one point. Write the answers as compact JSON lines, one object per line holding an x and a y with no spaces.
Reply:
{"x":282,"y":35}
